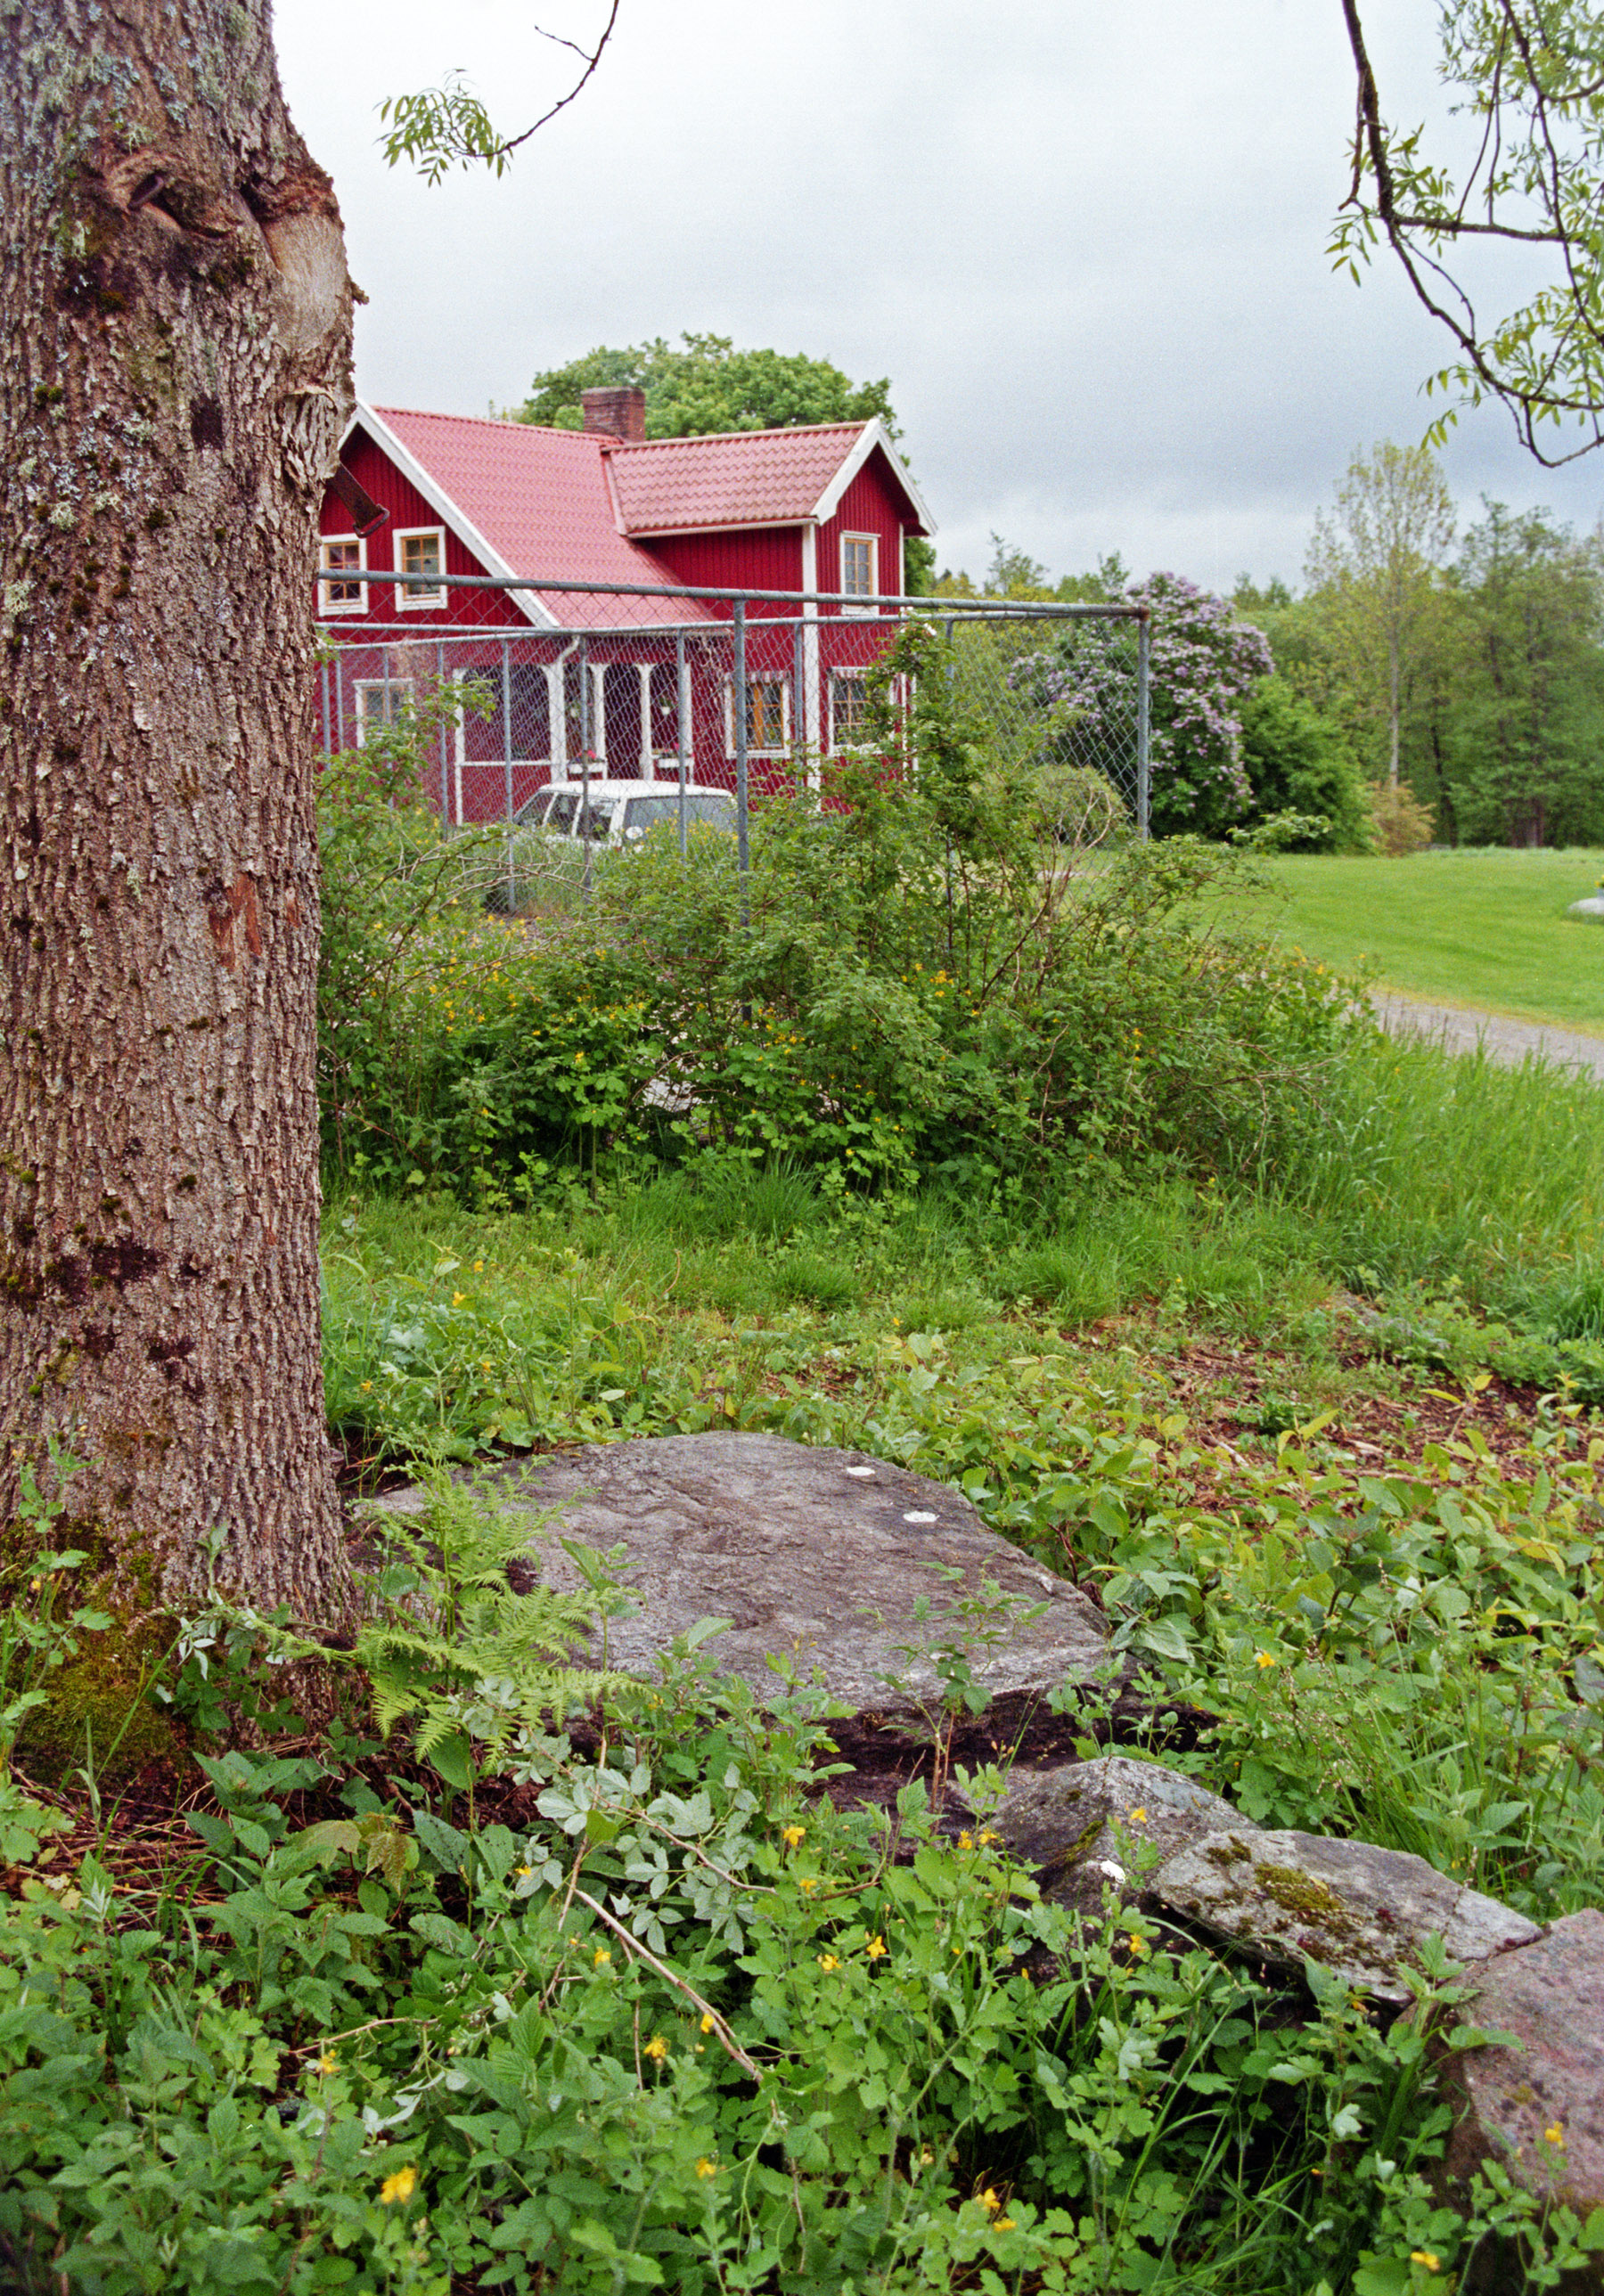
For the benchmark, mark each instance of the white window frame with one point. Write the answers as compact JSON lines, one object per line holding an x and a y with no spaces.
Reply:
{"x":762,"y":677}
{"x":873,"y":540}
{"x":362,"y":687}
{"x":407,"y":599}
{"x":328,"y":578}
{"x":850,"y":740}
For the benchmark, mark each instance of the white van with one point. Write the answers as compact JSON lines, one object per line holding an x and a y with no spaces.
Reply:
{"x":620,"y":812}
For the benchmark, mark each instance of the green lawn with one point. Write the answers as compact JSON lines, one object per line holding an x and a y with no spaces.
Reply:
{"x":1486,"y":930}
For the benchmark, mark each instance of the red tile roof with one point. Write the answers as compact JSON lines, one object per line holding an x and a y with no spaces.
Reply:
{"x":566,"y":503}
{"x":740,"y":477}
{"x":540,"y":499}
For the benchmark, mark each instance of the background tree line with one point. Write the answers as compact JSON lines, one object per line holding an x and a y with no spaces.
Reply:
{"x":1429,"y":684}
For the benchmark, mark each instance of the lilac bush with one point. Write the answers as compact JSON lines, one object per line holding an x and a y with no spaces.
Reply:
{"x":1203,"y":663}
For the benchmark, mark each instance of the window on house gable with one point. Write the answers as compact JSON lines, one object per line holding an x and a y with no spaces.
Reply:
{"x":423,"y":552}
{"x":861,"y":565}
{"x":382,"y":702}
{"x":340,"y":557}
{"x":849,"y":708}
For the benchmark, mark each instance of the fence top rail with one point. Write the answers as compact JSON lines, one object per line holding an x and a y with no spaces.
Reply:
{"x":946,"y":608}
{"x":376,"y":637}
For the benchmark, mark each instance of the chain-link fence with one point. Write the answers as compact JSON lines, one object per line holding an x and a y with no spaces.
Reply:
{"x":682,"y":691}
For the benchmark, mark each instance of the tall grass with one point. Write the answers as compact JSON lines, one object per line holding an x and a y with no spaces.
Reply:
{"x":1428,"y":1167}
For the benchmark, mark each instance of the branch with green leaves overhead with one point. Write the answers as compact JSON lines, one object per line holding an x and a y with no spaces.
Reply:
{"x":1529,"y":75}
{"x":446,"y":127}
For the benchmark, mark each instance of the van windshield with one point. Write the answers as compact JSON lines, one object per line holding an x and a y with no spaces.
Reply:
{"x":715,"y":806}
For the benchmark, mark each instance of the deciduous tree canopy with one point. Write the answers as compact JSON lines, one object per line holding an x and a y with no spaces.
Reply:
{"x":707,"y":385}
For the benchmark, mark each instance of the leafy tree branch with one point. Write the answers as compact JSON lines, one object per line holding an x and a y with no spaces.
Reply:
{"x":1530,"y":73}
{"x":446,"y":127}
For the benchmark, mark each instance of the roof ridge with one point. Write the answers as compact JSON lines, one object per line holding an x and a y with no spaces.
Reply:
{"x":722,"y":438}
{"x":483,"y":421}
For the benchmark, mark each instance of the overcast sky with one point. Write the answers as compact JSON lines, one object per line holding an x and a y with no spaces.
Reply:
{"x":1085,"y":242}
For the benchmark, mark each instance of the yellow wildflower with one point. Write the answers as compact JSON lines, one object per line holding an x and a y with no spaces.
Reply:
{"x":327,"y":2062}
{"x":1139,"y":1818}
{"x":706,"y":2167}
{"x":1424,"y":2256}
{"x":1262,"y":1658}
{"x":457,"y":1297}
{"x":1138,"y":1944}
{"x":990,"y":2202}
{"x":827,"y":1962}
{"x":656,"y":2047}
{"x":708,"y":2021}
{"x":400,"y":2186}
{"x":1553,"y":2134}
{"x":807,"y":1883}
{"x":600,"y":1957}
{"x":876,"y":1948}
{"x":793,"y":1834}
{"x":966,"y":1842}
{"x":1003,"y":2224}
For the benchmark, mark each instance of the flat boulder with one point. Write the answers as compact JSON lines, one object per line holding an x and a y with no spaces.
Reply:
{"x":1086,"y":1828}
{"x":1538,"y":2106}
{"x":818,"y":1557}
{"x":1353,"y":1909}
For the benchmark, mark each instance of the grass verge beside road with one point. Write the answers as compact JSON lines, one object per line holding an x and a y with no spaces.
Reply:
{"x":1487,"y":930}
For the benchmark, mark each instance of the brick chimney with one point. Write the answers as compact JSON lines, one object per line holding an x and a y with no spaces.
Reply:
{"x":615,"y":411}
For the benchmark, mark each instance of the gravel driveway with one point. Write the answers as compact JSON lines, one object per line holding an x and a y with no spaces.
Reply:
{"x":1505,"y":1040}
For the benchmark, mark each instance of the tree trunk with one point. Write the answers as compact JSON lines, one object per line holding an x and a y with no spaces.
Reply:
{"x":177,"y":313}
{"x":1393,"y":706}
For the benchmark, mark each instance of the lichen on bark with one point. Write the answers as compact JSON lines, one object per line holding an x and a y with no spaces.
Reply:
{"x":177,"y":317}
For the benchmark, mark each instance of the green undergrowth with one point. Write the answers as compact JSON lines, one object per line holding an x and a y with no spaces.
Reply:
{"x":498,"y":2006}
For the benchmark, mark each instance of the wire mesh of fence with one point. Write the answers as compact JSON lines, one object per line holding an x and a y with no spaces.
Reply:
{"x":598,"y":713}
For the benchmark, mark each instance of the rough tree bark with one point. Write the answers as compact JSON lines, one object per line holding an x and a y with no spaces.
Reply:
{"x":177,"y":310}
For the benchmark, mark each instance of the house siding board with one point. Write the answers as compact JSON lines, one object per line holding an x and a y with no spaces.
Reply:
{"x":868,"y":506}
{"x":760,"y":558}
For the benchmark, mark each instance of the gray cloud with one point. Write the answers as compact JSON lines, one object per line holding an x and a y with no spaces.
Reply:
{"x":1086,"y":243}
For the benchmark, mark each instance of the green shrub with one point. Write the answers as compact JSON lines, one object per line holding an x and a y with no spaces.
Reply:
{"x":1299,"y":760}
{"x":920,"y":983}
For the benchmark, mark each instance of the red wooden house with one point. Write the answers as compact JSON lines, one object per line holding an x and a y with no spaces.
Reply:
{"x":626,"y":678}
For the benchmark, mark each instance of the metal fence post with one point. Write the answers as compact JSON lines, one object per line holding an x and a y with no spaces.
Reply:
{"x":585,"y":762}
{"x":799,"y":701}
{"x":1143,"y":723}
{"x":683,"y":691}
{"x":506,"y":766}
{"x":445,"y":766}
{"x":738,"y":682}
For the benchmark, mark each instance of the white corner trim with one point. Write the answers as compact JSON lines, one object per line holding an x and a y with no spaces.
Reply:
{"x":873,"y":434}
{"x":439,"y":501}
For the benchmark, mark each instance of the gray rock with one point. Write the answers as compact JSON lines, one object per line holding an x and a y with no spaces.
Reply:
{"x":816,"y":1555}
{"x":1550,"y":1993}
{"x":1089,"y":1827}
{"x":1353,"y":1909}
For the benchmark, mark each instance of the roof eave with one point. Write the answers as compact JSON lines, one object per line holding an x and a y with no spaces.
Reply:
{"x":873,"y":434}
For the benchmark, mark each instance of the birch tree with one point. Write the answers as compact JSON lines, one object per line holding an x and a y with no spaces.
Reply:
{"x":176,"y":316}
{"x":1373,"y":561}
